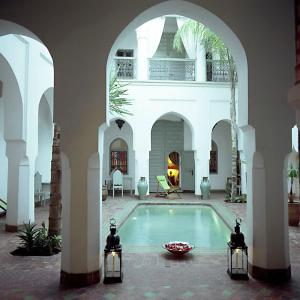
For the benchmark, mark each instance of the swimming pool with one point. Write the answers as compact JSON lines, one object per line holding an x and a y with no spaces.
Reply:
{"x":154,"y":225}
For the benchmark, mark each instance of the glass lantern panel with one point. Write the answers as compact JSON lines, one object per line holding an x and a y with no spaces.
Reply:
{"x":239,"y":261}
{"x":113,"y":264}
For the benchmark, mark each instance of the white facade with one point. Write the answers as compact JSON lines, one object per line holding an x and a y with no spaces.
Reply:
{"x":199,"y":103}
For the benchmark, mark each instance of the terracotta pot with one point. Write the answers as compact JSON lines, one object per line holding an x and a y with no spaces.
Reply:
{"x":104,"y":192}
{"x":291,"y":197}
{"x":294,"y":214}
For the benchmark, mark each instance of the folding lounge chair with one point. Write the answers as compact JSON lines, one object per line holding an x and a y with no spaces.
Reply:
{"x":3,"y":206}
{"x":167,"y":187}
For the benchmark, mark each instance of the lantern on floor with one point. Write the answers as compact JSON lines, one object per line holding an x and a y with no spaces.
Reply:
{"x":113,"y":256}
{"x":237,"y":254}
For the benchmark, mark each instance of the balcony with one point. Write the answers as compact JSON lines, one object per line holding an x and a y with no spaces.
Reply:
{"x":125,"y":67}
{"x":217,"y":70}
{"x":171,"y":69}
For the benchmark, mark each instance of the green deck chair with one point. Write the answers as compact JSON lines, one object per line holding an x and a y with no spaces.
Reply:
{"x":3,"y":206}
{"x":167,"y":187}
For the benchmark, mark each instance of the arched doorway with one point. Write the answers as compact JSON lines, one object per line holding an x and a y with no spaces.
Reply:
{"x":172,"y":155}
{"x":45,"y":137}
{"x":220,"y":155}
{"x":118,"y":153}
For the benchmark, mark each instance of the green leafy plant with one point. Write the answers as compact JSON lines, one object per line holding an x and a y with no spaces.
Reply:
{"x":27,"y":236}
{"x":35,"y":241}
{"x":117,"y":101}
{"x":292,"y":174}
{"x":55,"y":243}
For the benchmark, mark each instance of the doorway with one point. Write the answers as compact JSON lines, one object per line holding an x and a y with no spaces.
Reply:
{"x":174,"y":168}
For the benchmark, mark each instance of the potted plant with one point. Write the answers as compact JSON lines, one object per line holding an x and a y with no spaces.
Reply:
{"x":292,"y":174}
{"x":293,"y":206}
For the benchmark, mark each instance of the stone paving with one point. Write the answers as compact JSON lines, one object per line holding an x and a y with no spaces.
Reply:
{"x":146,"y":275}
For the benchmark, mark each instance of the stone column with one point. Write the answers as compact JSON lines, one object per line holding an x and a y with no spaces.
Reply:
{"x":201,"y":167}
{"x":141,"y":59}
{"x":200,"y":68}
{"x":243,"y":172}
{"x":81,"y":265}
{"x":20,"y":187}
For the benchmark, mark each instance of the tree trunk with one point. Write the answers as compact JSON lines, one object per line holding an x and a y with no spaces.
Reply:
{"x":55,"y":196}
{"x":232,"y":75}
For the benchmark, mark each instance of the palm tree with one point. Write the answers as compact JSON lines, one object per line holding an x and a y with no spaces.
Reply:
{"x":55,"y":196}
{"x":213,"y":44}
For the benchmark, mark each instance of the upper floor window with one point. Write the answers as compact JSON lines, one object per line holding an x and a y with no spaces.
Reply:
{"x":124,"y":63}
{"x":125,"y":53}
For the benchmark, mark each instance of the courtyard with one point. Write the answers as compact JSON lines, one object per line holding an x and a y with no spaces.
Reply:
{"x":157,"y":275}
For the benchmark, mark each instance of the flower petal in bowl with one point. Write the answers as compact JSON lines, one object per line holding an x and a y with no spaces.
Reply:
{"x":177,"y":247}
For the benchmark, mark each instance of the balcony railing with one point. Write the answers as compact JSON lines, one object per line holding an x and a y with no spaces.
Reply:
{"x":217,"y":70}
{"x":171,"y":69}
{"x":125,"y":67}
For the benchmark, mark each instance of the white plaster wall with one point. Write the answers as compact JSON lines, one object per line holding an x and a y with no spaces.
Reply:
{"x":221,"y":135}
{"x":32,"y":66}
{"x":129,"y":42}
{"x":3,"y":158}
{"x":43,"y":160}
{"x":191,"y":101}
{"x":200,"y":105}
{"x":295,"y":138}
{"x":110,"y":134}
{"x":187,"y":137}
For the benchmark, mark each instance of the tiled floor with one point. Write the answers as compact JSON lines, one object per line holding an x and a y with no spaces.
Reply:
{"x":146,"y":276}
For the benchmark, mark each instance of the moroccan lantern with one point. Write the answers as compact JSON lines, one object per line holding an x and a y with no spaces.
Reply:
{"x":237,"y":254}
{"x":113,"y":256}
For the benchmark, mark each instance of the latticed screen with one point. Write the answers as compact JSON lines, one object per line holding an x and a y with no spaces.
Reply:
{"x":119,"y":161}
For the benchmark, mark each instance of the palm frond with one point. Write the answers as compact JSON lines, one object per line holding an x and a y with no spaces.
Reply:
{"x":202,"y":35}
{"x":117,"y":101}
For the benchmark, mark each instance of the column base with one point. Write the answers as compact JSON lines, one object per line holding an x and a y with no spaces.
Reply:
{"x":79,"y":280}
{"x":271,"y":275}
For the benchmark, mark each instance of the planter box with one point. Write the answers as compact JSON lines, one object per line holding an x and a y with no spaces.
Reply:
{"x":294,"y":214}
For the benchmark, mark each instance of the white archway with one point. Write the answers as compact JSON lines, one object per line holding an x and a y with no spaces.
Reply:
{"x":214,"y":23}
{"x":221,"y":135}
{"x":45,"y":136}
{"x":32,"y":78}
{"x":171,"y":132}
{"x":125,"y":133}
{"x":11,"y":119}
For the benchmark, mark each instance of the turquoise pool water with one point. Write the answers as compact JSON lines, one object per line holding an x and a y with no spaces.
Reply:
{"x":154,"y":225}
